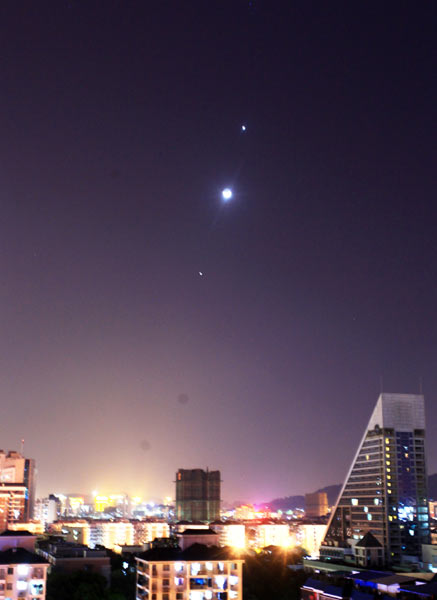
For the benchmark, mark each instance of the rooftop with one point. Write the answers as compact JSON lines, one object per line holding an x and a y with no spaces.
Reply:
{"x":326,"y":588}
{"x":9,"y":533}
{"x":368,"y":541}
{"x":16,"y":556}
{"x":198,"y":532}
{"x":194,"y":552}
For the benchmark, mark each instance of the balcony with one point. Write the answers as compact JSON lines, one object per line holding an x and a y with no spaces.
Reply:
{"x":200,"y":583}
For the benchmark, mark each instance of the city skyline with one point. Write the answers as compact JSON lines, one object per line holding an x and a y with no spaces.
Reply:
{"x":217,"y":235}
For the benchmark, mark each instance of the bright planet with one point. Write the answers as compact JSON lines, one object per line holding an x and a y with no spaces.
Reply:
{"x":227,"y":194}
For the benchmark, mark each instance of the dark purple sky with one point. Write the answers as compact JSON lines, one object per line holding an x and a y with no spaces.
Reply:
{"x":119,"y":125}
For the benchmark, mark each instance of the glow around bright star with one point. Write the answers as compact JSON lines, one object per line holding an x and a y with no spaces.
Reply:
{"x":227,"y":194}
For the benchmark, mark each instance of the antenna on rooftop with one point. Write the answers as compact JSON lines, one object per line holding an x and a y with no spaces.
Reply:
{"x":22,"y":446}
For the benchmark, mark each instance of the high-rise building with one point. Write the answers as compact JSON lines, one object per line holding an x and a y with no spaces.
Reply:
{"x":17,"y":488}
{"x":197,"y":495}
{"x":316,"y":505}
{"x":385,"y":492}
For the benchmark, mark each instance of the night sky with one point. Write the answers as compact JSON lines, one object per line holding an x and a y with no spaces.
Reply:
{"x":120,"y":124}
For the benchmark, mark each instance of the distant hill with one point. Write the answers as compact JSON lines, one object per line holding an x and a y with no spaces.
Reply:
{"x":293,"y":502}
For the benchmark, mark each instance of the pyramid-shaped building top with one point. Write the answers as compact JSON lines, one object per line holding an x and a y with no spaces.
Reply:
{"x":385,"y":492}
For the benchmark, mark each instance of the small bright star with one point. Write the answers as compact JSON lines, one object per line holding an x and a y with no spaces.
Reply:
{"x":227,"y":194}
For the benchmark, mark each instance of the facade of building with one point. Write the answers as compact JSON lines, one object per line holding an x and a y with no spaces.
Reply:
{"x":196,"y":573}
{"x":23,"y":573}
{"x":16,"y":470}
{"x":316,"y":505}
{"x":310,"y":537}
{"x":111,"y":533}
{"x":12,"y":504}
{"x":369,"y":552}
{"x":197,"y":495}
{"x":230,"y":534}
{"x":385,"y":492}
{"x":272,"y":534}
{"x":147,"y":531}
{"x":47,"y":510}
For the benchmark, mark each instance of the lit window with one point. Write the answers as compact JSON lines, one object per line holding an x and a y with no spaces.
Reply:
{"x":387,"y":455}
{"x":21,"y":585}
{"x":388,"y":470}
{"x":387,"y":462}
{"x":233,"y":580}
{"x":369,"y":517}
{"x":365,"y":509}
{"x":220,"y":581}
{"x":23,"y":569}
{"x":178,"y":566}
{"x":406,"y":454}
{"x":387,"y":440}
{"x":367,"y":457}
{"x":209,"y":566}
{"x":376,"y":501}
{"x":389,"y":491}
{"x":388,"y":476}
{"x":390,"y":518}
{"x":354,"y":501}
{"x":195,"y":568}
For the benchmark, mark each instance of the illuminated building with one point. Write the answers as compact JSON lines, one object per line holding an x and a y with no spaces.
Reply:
{"x":432,"y":507}
{"x":75,"y":505}
{"x":199,"y":572}
{"x":147,"y":531}
{"x":316,"y":505}
{"x":111,"y":533}
{"x":230,"y":534}
{"x":197,"y":495}
{"x":246,"y":512}
{"x":310,"y":537}
{"x":16,"y":470}
{"x":23,"y":573}
{"x":118,"y":502}
{"x":272,"y":534}
{"x":12,"y":504}
{"x":385,"y":492}
{"x":47,"y":510}
{"x":33,"y":527}
{"x":101,"y":502}
{"x":75,"y":531}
